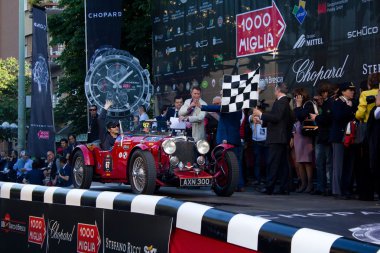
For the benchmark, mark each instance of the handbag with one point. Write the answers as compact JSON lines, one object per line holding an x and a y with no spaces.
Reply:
{"x":361,"y":131}
{"x":349,"y":134}
{"x":310,"y":127}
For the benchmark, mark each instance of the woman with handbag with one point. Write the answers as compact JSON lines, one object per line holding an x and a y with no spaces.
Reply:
{"x":303,"y":144}
{"x":343,"y":111}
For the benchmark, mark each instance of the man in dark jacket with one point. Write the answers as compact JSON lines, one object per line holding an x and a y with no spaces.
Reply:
{"x":323,"y":148}
{"x":373,"y":135}
{"x":228,"y":132}
{"x":93,"y":128}
{"x":278,"y":123}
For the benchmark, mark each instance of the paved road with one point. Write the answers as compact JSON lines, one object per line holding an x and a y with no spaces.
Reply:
{"x":350,"y":218}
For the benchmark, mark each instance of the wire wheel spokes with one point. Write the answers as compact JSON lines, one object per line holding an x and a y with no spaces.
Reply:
{"x":139,"y":174}
{"x":78,"y":171}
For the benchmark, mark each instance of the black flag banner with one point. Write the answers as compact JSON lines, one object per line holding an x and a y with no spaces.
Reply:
{"x":41,"y":135}
{"x":240,"y":91}
{"x":103,"y":25}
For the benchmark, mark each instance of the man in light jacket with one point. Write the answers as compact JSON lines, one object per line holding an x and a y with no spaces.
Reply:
{"x":191,"y":110}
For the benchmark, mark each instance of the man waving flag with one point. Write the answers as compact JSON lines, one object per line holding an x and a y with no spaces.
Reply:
{"x":240,"y":91}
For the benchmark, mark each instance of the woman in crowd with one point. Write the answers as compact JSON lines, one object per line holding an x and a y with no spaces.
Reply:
{"x":303,"y":145}
{"x":343,"y":112}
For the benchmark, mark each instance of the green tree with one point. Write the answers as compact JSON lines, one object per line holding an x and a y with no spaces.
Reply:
{"x":67,"y":28}
{"x":9,"y":90}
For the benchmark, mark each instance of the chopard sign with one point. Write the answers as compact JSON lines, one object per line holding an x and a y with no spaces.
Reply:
{"x":56,"y":233}
{"x":305,"y":72}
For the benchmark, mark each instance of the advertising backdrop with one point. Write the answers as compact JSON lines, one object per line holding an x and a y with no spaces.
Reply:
{"x":41,"y":134}
{"x":300,"y":42}
{"x":28,"y":226}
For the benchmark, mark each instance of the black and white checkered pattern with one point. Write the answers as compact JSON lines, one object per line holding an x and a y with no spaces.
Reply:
{"x":240,"y":91}
{"x":247,"y":231}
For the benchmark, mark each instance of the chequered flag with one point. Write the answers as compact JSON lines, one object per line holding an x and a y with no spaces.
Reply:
{"x":240,"y":91}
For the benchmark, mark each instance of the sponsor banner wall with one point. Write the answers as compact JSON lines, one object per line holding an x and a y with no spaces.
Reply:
{"x":103,"y":24}
{"x":141,"y":233}
{"x":22,"y":229}
{"x":41,"y":134}
{"x":302,"y":42}
{"x":37,"y":227}
{"x":73,"y":229}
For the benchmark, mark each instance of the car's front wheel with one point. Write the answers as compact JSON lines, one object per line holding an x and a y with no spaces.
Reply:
{"x":142,"y":172}
{"x":226,"y":173}
{"x":82,"y":174}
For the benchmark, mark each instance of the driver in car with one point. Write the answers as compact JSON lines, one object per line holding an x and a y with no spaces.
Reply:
{"x":107,"y":139}
{"x":111,"y":135}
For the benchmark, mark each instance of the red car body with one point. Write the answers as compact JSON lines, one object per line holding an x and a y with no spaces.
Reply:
{"x":140,"y":160}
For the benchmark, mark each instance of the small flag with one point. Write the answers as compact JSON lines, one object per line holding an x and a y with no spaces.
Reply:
{"x":240,"y":91}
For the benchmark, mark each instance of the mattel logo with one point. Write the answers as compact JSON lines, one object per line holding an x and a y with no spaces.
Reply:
{"x":308,"y":41}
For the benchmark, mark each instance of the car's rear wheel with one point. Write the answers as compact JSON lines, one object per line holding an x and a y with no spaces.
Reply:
{"x":82,"y":174}
{"x":142,"y":172}
{"x":226,"y":173}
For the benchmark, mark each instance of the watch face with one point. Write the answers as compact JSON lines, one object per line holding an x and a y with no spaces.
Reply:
{"x":118,"y":78}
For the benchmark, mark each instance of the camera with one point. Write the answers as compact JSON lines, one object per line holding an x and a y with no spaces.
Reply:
{"x":370,"y":99}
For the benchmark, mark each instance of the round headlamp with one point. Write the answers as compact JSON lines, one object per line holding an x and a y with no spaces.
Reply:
{"x":174,"y":161}
{"x":203,"y":147}
{"x":169,"y":147}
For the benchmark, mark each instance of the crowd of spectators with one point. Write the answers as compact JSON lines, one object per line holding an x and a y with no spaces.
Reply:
{"x":52,"y":170}
{"x":337,"y":156}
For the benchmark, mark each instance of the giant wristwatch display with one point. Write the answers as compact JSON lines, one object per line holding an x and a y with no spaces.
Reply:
{"x":118,"y":76}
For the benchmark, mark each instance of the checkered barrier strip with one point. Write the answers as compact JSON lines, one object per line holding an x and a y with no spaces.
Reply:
{"x":247,"y":231}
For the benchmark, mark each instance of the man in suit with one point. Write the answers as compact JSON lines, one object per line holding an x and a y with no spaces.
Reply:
{"x":173,"y":111}
{"x":279,"y":125}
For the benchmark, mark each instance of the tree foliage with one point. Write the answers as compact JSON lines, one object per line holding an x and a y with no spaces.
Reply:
{"x":9,"y":89}
{"x":68,"y":28}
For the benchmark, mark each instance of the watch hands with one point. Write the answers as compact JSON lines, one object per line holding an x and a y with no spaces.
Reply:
{"x":111,"y":81}
{"x":125,"y":77}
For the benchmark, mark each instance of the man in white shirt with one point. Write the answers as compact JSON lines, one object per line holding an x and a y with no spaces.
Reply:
{"x":23,"y":165}
{"x":191,"y":110}
{"x":143,"y":116}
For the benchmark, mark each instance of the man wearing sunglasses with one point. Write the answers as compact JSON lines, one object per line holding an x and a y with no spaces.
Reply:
{"x":93,"y":127}
{"x":111,"y":135}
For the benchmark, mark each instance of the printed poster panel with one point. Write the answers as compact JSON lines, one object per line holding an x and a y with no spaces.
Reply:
{"x":75,"y":229}
{"x":23,"y":229}
{"x":133,"y":232}
{"x":302,"y":43}
{"x":41,"y":134}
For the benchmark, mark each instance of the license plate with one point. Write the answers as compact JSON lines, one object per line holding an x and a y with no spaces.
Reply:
{"x":195,"y":181}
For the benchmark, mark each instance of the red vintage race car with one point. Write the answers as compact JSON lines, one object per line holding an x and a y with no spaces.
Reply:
{"x":147,"y":160}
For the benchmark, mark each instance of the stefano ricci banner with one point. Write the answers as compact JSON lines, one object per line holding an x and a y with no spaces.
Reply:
{"x":103,"y":24}
{"x":41,"y":133}
{"x":301,"y":42}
